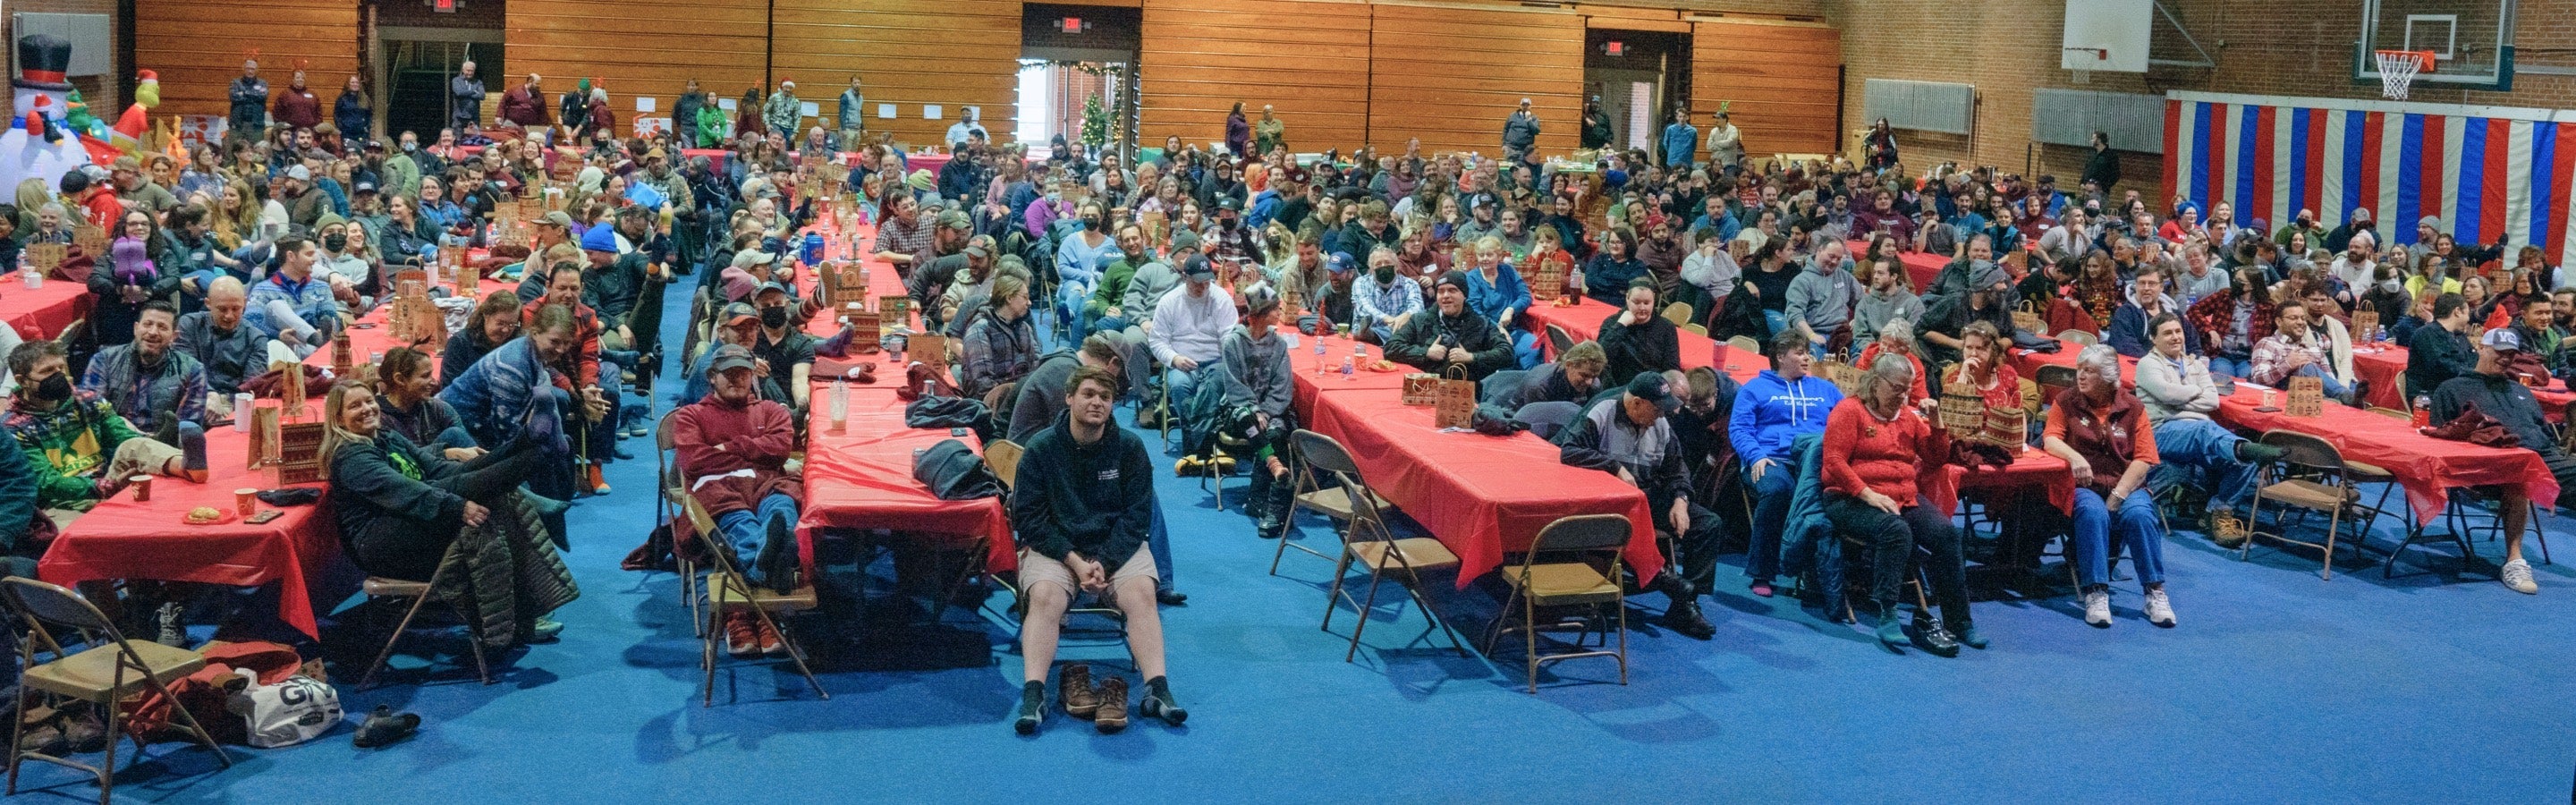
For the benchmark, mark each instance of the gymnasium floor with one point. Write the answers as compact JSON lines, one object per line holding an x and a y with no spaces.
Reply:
{"x":2276,"y":687}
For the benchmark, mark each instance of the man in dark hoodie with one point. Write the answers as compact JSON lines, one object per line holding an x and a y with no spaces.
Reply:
{"x":1084,"y":495}
{"x":1450,"y":334}
{"x":1632,"y":437}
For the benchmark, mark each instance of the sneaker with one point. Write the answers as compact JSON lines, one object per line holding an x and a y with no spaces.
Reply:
{"x":1762,"y":588}
{"x":1111,"y":698}
{"x":2252,"y":452}
{"x":1073,"y":689}
{"x":770,"y":643}
{"x":174,"y":625}
{"x":1032,"y":710}
{"x":2097,"y":608}
{"x":742,"y":634}
{"x":2517,"y":577}
{"x":545,"y":630}
{"x":2160,"y":608}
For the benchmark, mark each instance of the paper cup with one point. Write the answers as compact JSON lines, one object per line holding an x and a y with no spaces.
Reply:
{"x":2267,"y":398}
{"x":142,"y":488}
{"x":246,"y":501}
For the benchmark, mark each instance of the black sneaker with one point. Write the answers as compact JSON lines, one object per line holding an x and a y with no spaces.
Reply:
{"x":385,"y":727}
{"x":1683,"y":617}
{"x":1171,"y":598}
{"x":1937,"y":641}
{"x":174,"y":625}
{"x":777,"y":559}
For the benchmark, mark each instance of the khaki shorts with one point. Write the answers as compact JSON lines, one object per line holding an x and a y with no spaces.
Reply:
{"x":1037,"y":568}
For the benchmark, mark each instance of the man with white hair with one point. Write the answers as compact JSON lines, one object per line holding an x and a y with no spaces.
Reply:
{"x":464,"y":98}
{"x":249,"y":114}
{"x":2102,"y":433}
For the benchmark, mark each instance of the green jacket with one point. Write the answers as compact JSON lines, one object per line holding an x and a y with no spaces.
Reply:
{"x":67,"y":447}
{"x":1112,"y":289}
{"x":401,"y":176}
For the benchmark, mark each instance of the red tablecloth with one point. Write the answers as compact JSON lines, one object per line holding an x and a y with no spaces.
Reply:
{"x":2428,"y":468}
{"x":1922,"y":267}
{"x":1582,"y":322}
{"x":1482,"y":496}
{"x":122,"y":539}
{"x":46,"y":310}
{"x":863,"y":479}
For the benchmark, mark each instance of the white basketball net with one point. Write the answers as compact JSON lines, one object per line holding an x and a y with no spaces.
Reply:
{"x":2397,"y":72}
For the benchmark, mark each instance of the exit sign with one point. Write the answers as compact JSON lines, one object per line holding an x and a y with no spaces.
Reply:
{"x":443,"y":6}
{"x":1073,"y":25}
{"x":1614,"y":47}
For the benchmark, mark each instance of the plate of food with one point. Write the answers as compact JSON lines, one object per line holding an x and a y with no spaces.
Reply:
{"x":206,"y":515}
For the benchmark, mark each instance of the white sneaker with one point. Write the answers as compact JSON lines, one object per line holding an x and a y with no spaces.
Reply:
{"x":2097,"y":608}
{"x":2160,"y":608}
{"x":2517,"y":577}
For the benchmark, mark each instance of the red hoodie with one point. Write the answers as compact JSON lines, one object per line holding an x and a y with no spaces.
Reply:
{"x":715,"y":438}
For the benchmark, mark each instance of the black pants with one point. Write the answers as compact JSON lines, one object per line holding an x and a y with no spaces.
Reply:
{"x":1893,"y":538}
{"x":411,"y":551}
{"x":1698,"y":545}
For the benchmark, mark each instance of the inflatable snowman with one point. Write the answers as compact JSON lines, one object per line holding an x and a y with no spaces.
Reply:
{"x":38,"y":145}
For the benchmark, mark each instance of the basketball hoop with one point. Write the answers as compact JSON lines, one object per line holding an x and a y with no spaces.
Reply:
{"x":2074,"y":60}
{"x":2398,"y":68}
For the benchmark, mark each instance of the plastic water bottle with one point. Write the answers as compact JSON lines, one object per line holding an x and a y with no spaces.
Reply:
{"x":840,"y":402}
{"x":1350,"y":367}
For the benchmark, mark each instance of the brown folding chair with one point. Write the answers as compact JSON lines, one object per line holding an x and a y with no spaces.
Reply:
{"x":728,"y":591}
{"x":1679,"y":313}
{"x":1333,"y":502}
{"x":668,"y":511}
{"x":419,"y":592}
{"x":2313,"y":477}
{"x":1574,"y":561}
{"x":1558,"y":339}
{"x":1367,"y":542}
{"x":111,"y":670}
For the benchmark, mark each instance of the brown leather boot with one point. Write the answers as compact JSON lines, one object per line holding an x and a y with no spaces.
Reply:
{"x":1073,"y":685}
{"x":1112,"y":698}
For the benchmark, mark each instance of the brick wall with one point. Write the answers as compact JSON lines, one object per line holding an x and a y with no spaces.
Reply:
{"x":2298,"y":48}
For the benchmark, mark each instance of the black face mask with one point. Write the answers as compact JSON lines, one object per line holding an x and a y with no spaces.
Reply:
{"x":335,"y":243}
{"x":54,"y":389}
{"x":773,"y":317}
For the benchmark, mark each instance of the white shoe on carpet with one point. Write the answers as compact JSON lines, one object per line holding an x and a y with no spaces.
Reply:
{"x":2517,"y":577}
{"x":2160,"y":608}
{"x":2097,"y":608}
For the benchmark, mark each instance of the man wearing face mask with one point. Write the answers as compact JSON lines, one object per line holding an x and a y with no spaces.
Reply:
{"x":1384,"y":302}
{"x":400,"y":175}
{"x":1233,"y":241}
{"x":77,"y":447}
{"x":349,"y":275}
{"x":786,"y":349}
{"x":145,"y":380}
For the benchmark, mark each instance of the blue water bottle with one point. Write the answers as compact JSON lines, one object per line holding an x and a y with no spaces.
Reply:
{"x":813,"y":248}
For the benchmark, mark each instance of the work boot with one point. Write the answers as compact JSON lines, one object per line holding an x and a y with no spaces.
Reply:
{"x":1111,"y":698}
{"x":1073,"y":688}
{"x":2253,"y":452}
{"x":1937,"y":640}
{"x":1283,"y":508}
{"x":1682,"y":615}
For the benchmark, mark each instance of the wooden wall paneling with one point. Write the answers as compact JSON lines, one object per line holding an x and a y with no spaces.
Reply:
{"x":1784,"y":80}
{"x":1309,"y":60}
{"x":634,"y":49}
{"x":198,"y":47}
{"x":1450,"y":75}
{"x":953,"y":53}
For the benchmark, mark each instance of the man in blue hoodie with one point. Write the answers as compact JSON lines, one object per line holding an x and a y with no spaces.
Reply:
{"x":1681,"y":140}
{"x":1774,"y":409}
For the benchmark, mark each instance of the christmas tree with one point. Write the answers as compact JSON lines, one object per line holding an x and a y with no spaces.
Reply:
{"x":1095,"y":124}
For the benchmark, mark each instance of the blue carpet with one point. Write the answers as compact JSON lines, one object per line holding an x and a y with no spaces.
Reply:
{"x":2276,"y":687}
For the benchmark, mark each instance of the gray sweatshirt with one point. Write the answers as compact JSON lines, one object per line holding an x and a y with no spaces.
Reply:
{"x":1875,"y":311}
{"x":1256,"y":371}
{"x":2175,"y":391}
{"x":1823,"y":301}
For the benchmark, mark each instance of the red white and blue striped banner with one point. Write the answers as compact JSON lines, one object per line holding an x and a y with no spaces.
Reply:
{"x":2487,"y":172}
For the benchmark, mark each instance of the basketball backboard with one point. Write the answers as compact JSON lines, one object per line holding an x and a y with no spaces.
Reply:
{"x":2107,"y":35}
{"x":2471,"y":41}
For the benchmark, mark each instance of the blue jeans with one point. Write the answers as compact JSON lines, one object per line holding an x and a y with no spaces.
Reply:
{"x":2231,"y":367}
{"x":2138,"y":529}
{"x":2335,"y":389}
{"x":1524,"y":350}
{"x":2188,"y":445}
{"x":748,"y":530}
{"x":1158,"y":539}
{"x":1770,"y":517}
{"x":1183,"y":384}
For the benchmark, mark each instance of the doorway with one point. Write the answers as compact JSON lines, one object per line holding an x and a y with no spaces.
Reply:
{"x":1077,"y":76}
{"x":1638,"y":76}
{"x":416,"y":71}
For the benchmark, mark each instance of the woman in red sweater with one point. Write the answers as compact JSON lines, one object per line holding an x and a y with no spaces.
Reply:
{"x":1877,"y":452}
{"x":1984,"y":366}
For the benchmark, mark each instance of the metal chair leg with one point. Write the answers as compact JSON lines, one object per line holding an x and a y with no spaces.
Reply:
{"x":368,"y":680}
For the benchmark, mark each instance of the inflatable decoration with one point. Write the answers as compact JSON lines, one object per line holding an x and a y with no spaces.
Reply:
{"x":39,"y":144}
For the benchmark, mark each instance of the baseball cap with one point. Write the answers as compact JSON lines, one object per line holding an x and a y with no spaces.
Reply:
{"x":1650,"y":386}
{"x":739,"y":312}
{"x":1229,"y":204}
{"x":366,"y":187}
{"x":1185,"y":239}
{"x":752,"y":257}
{"x":556,"y":218}
{"x":128,"y":165}
{"x":767,"y":287}
{"x":656,"y":153}
{"x":1342,"y":263}
{"x":1198,"y":268}
{"x":2502,"y":339}
{"x":733,"y":356}
{"x":954,"y":219}
{"x":1457,"y":278}
{"x":978,"y":250}
{"x":375,"y":145}
{"x":298,"y":173}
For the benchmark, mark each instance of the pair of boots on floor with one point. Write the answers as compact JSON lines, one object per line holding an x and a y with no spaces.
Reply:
{"x":1104,"y":703}
{"x":1942,"y":637}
